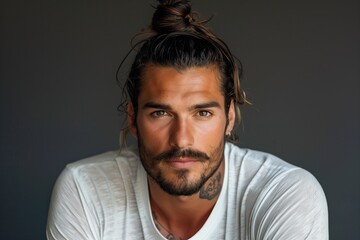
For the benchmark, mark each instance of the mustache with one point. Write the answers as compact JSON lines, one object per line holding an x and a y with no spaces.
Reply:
{"x":181,"y":153}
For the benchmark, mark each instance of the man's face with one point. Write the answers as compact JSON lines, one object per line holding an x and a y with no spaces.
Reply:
{"x":180,"y":126}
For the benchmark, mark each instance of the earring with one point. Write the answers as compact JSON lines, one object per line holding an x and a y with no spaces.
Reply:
{"x":228,"y":134}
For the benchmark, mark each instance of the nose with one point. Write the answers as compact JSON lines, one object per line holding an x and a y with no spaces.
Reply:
{"x":181,"y":134}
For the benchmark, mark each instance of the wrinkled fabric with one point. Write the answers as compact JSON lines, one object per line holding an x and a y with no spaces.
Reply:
{"x":106,"y":197}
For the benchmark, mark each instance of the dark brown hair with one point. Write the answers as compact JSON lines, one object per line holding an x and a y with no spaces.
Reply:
{"x":176,"y":38}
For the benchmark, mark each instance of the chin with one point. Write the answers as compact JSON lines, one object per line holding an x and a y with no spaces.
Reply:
{"x":181,"y":183}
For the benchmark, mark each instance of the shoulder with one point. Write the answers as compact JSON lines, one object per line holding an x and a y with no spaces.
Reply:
{"x":107,"y":163}
{"x":256,"y":160}
{"x":102,"y":159}
{"x":278,"y":198}
{"x":288,"y":203}
{"x":91,"y":191}
{"x":98,"y":175}
{"x":265,"y":170}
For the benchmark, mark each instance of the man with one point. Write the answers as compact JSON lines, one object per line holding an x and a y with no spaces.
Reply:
{"x":185,"y":180}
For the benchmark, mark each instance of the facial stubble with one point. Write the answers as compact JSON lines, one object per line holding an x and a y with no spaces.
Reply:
{"x":181,"y":185}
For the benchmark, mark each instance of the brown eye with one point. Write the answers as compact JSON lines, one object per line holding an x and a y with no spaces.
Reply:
{"x":204,"y":113}
{"x":159,"y":113}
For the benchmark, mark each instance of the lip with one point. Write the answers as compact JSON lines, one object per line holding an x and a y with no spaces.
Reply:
{"x":182,"y":162}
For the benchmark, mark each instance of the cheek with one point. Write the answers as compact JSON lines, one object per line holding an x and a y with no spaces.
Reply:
{"x":212,"y":129}
{"x":153,"y":128}
{"x":152,"y":135}
{"x":210,"y":136}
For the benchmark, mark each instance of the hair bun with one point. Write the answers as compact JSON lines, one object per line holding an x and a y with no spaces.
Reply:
{"x":172,"y":16}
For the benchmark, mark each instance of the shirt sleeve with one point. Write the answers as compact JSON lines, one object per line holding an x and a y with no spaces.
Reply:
{"x":67,"y":216}
{"x":290,"y":206}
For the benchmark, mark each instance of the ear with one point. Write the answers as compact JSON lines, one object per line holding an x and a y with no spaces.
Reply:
{"x":131,"y":119}
{"x":231,"y":118}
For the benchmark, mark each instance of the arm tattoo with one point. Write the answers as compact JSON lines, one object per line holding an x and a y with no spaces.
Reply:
{"x":212,"y":189}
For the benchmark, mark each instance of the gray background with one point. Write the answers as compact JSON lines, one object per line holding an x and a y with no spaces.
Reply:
{"x":59,"y":95}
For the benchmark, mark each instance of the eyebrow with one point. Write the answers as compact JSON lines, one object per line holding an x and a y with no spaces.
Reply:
{"x":206,"y":105}
{"x":155,"y":105}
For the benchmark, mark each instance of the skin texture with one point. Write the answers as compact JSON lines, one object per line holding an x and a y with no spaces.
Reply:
{"x":180,"y":126}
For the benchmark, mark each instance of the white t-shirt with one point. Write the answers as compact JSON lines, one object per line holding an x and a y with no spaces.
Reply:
{"x":106,"y":197}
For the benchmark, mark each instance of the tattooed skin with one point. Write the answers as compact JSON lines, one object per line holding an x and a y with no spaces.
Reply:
{"x":212,"y":189}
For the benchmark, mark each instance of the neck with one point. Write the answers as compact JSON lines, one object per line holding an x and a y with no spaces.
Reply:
{"x":181,"y":217}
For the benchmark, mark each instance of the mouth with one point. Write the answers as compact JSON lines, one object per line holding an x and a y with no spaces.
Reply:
{"x":182,"y":162}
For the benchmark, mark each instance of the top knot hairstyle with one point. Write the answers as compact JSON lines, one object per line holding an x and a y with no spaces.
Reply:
{"x":177,"y":38}
{"x":173,"y":15}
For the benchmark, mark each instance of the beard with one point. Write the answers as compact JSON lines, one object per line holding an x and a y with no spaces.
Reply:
{"x":181,"y":182}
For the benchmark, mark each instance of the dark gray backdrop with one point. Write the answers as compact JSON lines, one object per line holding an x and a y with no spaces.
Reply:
{"x":59,"y":95}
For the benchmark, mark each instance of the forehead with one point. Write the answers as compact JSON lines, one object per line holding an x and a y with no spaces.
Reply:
{"x":190,"y":84}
